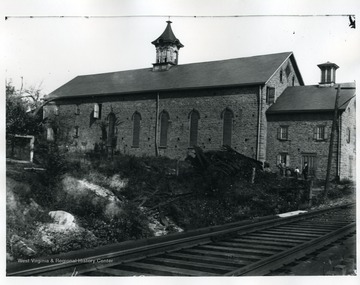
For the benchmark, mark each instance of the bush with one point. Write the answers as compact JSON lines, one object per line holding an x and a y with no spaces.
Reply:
{"x":72,"y":240}
{"x":346,"y":181}
{"x":131,"y":224}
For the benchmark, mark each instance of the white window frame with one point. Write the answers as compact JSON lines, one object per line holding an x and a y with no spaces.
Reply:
{"x":283,"y":133}
{"x":96,"y":111}
{"x":320,"y":133}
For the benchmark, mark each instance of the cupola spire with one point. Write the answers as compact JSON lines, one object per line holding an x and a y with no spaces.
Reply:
{"x":167,"y":49}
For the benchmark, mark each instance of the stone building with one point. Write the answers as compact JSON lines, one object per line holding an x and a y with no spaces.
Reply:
{"x":300,"y":122}
{"x":169,"y":108}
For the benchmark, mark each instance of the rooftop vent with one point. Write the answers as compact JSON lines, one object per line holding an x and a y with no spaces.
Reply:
{"x":328,"y":72}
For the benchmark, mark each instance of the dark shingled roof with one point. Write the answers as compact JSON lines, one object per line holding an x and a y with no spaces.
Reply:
{"x":232,"y":72}
{"x":167,"y":37}
{"x":312,"y":98}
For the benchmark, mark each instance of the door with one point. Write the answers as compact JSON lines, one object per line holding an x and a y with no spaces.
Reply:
{"x":310,"y":159}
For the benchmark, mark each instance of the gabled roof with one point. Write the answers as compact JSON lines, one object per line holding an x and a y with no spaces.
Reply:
{"x":167,"y":37}
{"x":254,"y":70}
{"x":312,"y":98}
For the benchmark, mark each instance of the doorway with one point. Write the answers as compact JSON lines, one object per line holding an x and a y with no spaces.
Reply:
{"x":310,"y":159}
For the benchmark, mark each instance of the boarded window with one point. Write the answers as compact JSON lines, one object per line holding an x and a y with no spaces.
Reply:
{"x":76,"y":131}
{"x":227,"y":126}
{"x":136,"y":129}
{"x":111,"y":133}
{"x":164,"y":126}
{"x":270,"y":95}
{"x":194,"y":124}
{"x":77,"y":110}
{"x":348,"y":135}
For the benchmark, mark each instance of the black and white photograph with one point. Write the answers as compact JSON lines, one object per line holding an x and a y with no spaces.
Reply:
{"x":180,"y":139}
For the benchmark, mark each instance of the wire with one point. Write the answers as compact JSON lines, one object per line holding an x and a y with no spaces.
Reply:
{"x":183,"y":16}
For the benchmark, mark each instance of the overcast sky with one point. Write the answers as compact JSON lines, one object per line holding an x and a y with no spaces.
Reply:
{"x":52,"y":51}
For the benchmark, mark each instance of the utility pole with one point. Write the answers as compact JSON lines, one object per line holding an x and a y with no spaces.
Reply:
{"x":331,"y":146}
{"x":156,"y":125}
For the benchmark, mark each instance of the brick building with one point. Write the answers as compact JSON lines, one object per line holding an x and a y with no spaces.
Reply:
{"x":299,"y":127}
{"x":169,"y":108}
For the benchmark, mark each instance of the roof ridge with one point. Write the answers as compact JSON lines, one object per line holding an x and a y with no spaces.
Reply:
{"x":191,"y":63}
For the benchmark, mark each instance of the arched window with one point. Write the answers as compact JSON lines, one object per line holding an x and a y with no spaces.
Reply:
{"x":348,"y":135}
{"x":164,"y":126}
{"x":97,"y":111}
{"x":136,"y":129}
{"x":111,"y":133}
{"x":227,"y":116}
{"x":194,"y":123}
{"x":77,"y":110}
{"x":281,"y":76}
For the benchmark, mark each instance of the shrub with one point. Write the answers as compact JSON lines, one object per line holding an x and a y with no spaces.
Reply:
{"x":346,"y":181}
{"x":64,"y":242}
{"x":131,"y":224}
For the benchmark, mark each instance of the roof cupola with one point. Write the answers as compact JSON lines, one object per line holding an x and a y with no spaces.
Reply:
{"x":328,"y":72}
{"x":167,"y":49}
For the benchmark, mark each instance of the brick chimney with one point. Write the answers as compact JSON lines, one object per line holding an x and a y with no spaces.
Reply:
{"x":328,"y":72}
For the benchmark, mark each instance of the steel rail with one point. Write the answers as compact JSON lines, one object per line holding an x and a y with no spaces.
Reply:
{"x":135,"y":250}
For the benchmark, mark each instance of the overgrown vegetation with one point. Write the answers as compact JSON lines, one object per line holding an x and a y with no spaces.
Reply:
{"x":208,"y":188}
{"x":19,"y":104}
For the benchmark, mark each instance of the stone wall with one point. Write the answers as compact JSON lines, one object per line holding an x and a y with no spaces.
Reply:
{"x":280,"y":85}
{"x":209,"y":103}
{"x":301,"y":141}
{"x":348,"y":143}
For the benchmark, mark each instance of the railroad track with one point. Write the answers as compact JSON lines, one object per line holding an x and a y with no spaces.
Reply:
{"x":251,"y":248}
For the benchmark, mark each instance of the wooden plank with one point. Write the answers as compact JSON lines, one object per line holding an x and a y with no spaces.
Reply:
{"x":252,"y":245}
{"x":192,"y":264}
{"x":292,"y":234}
{"x":167,"y":270}
{"x":265,"y":241}
{"x":322,"y":224}
{"x":272,"y":238}
{"x":302,"y":229}
{"x":261,"y":234}
{"x":118,"y":272}
{"x":225,"y":254}
{"x":242,"y":250}
{"x":264,"y":266}
{"x":219,"y":260}
{"x":314,"y":226}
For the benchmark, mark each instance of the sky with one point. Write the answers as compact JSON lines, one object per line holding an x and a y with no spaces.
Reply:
{"x":47,"y":50}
